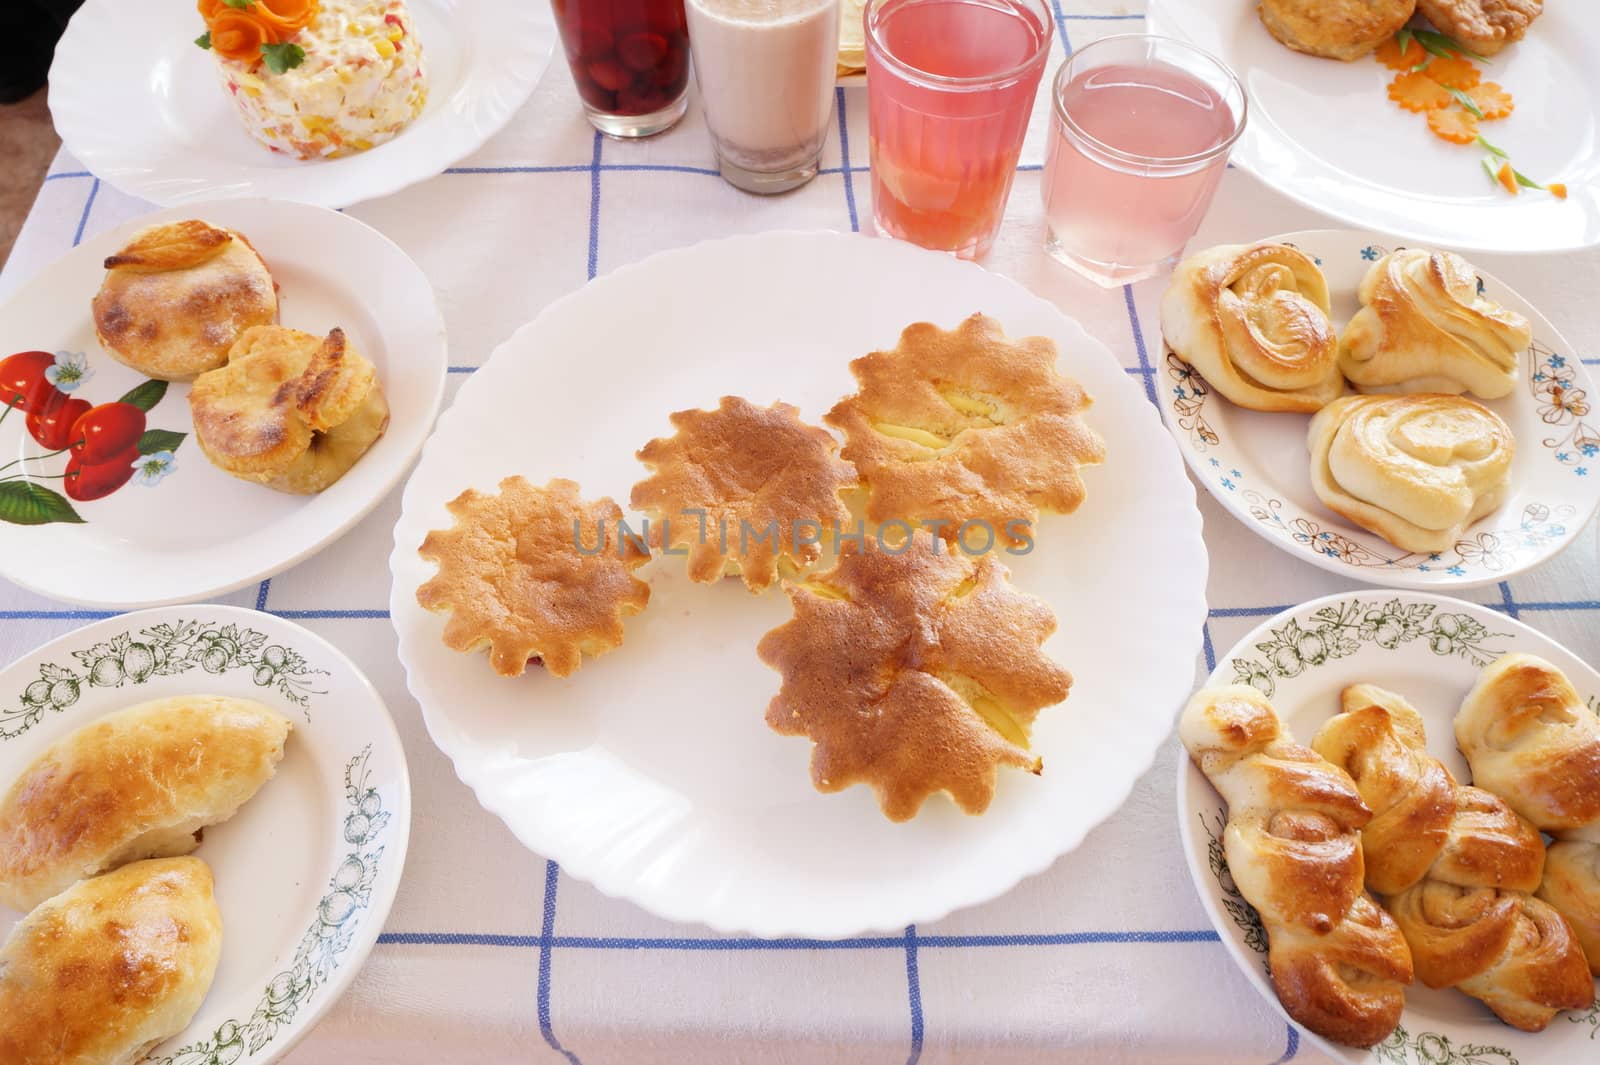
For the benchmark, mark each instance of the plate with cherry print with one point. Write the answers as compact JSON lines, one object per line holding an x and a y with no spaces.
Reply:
{"x":105,"y":497}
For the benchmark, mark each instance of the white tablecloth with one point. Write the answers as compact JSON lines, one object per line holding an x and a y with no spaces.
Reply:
{"x":492,"y":956}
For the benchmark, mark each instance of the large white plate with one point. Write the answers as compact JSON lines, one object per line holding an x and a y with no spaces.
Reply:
{"x":199,"y":532}
{"x":306,"y":871}
{"x":1257,"y":466}
{"x":652,"y":772}
{"x":1429,"y":649}
{"x":139,"y":105}
{"x":1325,"y":132}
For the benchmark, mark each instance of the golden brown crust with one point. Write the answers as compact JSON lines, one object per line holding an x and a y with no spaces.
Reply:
{"x":134,"y":784}
{"x":966,"y":425}
{"x":1336,"y":29}
{"x":533,"y":573}
{"x":914,"y":673}
{"x":110,"y":967}
{"x":746,"y":470}
{"x":177,"y":296}
{"x":290,"y":410}
{"x":1572,"y":886}
{"x":1484,"y":26}
{"x":1338,"y":961}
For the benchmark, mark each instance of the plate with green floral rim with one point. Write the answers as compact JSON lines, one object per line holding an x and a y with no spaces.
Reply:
{"x":1257,"y":466}
{"x":306,"y":871}
{"x":1429,"y":649}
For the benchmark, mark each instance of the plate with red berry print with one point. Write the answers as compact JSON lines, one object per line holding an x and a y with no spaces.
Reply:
{"x":107,"y":500}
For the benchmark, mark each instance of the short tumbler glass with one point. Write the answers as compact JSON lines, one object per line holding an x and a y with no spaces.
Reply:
{"x":630,"y":60}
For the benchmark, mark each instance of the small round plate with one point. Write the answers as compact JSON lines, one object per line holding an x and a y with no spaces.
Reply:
{"x":1429,"y":649}
{"x":191,"y":531}
{"x":139,"y":105}
{"x":1326,"y":134}
{"x":307,"y":869}
{"x":651,"y":772}
{"x":1256,"y":463}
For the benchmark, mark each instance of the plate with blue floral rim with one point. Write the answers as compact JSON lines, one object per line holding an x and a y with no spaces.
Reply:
{"x":1256,"y":464}
{"x":1430,"y":649}
{"x":180,"y":529}
{"x":306,"y":871}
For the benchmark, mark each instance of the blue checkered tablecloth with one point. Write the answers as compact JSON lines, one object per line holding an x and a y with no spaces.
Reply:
{"x":492,"y":956}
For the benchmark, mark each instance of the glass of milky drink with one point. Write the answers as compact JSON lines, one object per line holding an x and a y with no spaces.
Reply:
{"x":766,"y":73}
{"x":1143,"y":126}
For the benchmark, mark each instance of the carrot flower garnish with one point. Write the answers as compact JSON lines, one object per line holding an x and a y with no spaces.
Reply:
{"x":238,"y":36}
{"x":1492,"y":100}
{"x":1418,"y":92}
{"x":1391,"y":55}
{"x":1453,"y":72}
{"x":1453,"y":125}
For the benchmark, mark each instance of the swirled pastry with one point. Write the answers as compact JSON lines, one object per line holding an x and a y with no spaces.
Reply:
{"x":1253,"y":319}
{"x":1293,"y":844}
{"x":1485,"y":26}
{"x":1424,"y":327}
{"x":178,"y":295}
{"x":1416,"y":470}
{"x":1458,"y":866}
{"x":1337,"y":29}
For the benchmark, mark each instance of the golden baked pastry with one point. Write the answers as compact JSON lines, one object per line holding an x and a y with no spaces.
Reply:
{"x":913,"y":672}
{"x":178,"y":295}
{"x":1416,"y":470}
{"x":1484,"y":26}
{"x":744,"y":489}
{"x":290,"y":411}
{"x":534,"y":573}
{"x":1253,"y":319}
{"x":1424,"y":327}
{"x":1293,"y":845}
{"x":111,"y":967}
{"x":1458,"y":866}
{"x":139,"y":783}
{"x":966,"y":425}
{"x":1531,"y":740}
{"x":1337,"y":29}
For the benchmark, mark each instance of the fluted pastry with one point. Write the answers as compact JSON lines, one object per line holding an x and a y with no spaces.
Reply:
{"x":1423,"y":326}
{"x":1457,"y":868}
{"x":1531,"y":740}
{"x":1416,"y":470}
{"x":1336,"y":29}
{"x":1293,"y":844}
{"x":1253,"y":319}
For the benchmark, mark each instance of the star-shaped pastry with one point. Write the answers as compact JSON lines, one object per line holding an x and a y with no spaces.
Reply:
{"x":966,"y":425}
{"x":533,"y":573}
{"x":744,"y":489}
{"x":915,"y":672}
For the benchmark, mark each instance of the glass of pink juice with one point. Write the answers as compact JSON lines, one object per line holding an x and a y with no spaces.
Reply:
{"x":950,"y":86}
{"x":1143,"y":126}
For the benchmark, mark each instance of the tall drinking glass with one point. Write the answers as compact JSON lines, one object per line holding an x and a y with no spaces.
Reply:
{"x":766,"y":74}
{"x":1142,"y":130}
{"x":950,"y":86}
{"x":630,"y":61}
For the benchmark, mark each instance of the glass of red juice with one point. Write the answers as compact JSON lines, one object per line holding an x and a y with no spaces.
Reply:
{"x":630,"y":60}
{"x":1141,"y":134}
{"x":950,"y":87}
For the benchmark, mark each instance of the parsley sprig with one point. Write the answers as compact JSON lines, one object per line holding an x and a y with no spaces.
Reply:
{"x":282,"y":57}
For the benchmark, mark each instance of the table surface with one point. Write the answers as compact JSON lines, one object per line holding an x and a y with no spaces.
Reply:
{"x":491,"y":955}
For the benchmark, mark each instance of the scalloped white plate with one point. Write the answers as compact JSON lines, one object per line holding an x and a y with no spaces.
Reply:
{"x":1256,"y":463}
{"x":1429,"y":649}
{"x":306,"y":871}
{"x":141,"y":107}
{"x":651,"y":772}
{"x":1324,"y":132}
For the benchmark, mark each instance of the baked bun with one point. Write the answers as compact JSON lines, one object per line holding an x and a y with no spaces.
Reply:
{"x":1416,"y":470}
{"x":1253,"y":319}
{"x":111,"y":967}
{"x":1423,"y":327}
{"x":135,"y":784}
{"x":1336,"y":29}
{"x":290,"y":410}
{"x":178,"y":295}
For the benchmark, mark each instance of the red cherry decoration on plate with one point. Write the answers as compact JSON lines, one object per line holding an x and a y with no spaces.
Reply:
{"x":106,"y":431}
{"x":22,"y":381}
{"x":86,"y":481}
{"x":52,"y":426}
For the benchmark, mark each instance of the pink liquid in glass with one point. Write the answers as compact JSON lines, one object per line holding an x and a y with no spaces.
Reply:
{"x":1128,"y":209}
{"x":943,"y":151}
